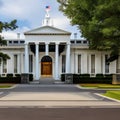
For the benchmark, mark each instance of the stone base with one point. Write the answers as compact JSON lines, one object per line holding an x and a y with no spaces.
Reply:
{"x":24,"y":78}
{"x":116,"y":79}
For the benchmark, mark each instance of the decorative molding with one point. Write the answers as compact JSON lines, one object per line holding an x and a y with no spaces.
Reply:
{"x":47,"y":34}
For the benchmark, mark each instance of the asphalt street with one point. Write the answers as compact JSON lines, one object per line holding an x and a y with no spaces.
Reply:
{"x":56,"y":102}
{"x":59,"y":113}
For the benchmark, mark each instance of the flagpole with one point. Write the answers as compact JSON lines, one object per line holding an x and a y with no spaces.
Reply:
{"x":47,"y":10}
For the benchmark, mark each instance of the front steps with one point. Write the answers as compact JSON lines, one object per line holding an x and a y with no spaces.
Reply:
{"x":47,"y":81}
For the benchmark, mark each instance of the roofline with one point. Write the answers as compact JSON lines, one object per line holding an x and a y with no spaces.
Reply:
{"x":47,"y":33}
{"x":49,"y":27}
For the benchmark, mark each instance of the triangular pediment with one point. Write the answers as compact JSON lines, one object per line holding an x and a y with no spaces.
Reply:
{"x":47,"y":30}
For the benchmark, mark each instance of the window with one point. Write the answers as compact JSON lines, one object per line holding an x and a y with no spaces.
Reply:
{"x":10,"y":42}
{"x":22,"y":42}
{"x":106,"y":64}
{"x":118,"y":65}
{"x":63,"y":63}
{"x":92,"y":63}
{"x":15,"y":42}
{"x":5,"y":66}
{"x":15,"y":63}
{"x":79,"y":63}
{"x":85,"y":42}
{"x":72,"y":41}
{"x":0,"y":65}
{"x":78,"y":41}
{"x":30,"y":63}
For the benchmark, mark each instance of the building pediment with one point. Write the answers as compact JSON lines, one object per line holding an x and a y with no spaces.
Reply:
{"x":47,"y":30}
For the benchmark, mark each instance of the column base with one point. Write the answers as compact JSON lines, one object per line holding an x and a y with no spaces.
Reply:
{"x":57,"y":78}
{"x":37,"y":78}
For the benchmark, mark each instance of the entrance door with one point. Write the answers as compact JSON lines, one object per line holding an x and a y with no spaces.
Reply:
{"x":46,"y":66}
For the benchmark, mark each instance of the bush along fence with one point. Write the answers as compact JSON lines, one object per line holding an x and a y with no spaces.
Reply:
{"x":85,"y":78}
{"x":16,"y":78}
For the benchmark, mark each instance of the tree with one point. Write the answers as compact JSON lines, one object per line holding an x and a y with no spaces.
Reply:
{"x":98,"y":21}
{"x":6,"y":26}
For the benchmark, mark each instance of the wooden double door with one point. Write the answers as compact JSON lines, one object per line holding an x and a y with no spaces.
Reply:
{"x":46,"y":68}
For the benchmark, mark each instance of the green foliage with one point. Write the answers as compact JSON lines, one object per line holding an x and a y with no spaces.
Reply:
{"x":17,"y":75}
{"x":30,"y":77}
{"x":6,"y":26}
{"x":85,"y":78}
{"x":10,"y":79}
{"x":113,"y":94}
{"x":98,"y":21}
{"x":9,"y":75}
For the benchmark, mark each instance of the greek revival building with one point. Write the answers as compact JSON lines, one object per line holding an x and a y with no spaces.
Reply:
{"x":48,"y":52}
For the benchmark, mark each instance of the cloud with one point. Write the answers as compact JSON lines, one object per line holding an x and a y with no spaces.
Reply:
{"x":19,"y":9}
{"x":61,"y":22}
{"x":1,"y":3}
{"x":30,"y":13}
{"x":13,"y":34}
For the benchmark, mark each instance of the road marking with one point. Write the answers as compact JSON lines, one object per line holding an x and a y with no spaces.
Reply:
{"x":107,"y":97}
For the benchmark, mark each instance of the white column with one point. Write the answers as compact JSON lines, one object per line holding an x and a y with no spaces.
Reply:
{"x":98,"y":65}
{"x":26,"y":58}
{"x":46,"y":48}
{"x":68,"y":70}
{"x":85,"y":63}
{"x":1,"y":69}
{"x":19,"y":64}
{"x":37,"y":73}
{"x":56,"y":62}
{"x":103,"y":57}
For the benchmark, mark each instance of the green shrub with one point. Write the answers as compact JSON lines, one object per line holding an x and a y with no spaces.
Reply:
{"x":30,"y":77}
{"x":10,"y":79}
{"x":85,"y":75}
{"x":85,"y":78}
{"x":9,"y":75}
{"x":62,"y":77}
{"x":99,"y":75}
{"x":17,"y":75}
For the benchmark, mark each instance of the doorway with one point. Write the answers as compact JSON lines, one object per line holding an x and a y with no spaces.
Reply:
{"x":46,"y":66}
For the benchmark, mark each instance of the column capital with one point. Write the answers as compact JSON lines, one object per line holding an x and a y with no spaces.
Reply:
{"x":37,"y":43}
{"x":47,"y":43}
{"x":68,"y":43}
{"x":26,"y":43}
{"x":57,"y":43}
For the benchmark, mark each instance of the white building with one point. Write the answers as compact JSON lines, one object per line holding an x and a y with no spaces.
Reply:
{"x":48,"y":52}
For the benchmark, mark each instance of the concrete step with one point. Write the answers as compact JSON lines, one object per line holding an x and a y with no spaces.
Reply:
{"x":47,"y":81}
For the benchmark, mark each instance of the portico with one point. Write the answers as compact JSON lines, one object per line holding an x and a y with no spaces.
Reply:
{"x":47,"y":36}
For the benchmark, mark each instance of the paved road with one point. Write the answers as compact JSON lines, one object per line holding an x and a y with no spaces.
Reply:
{"x":52,"y":95}
{"x":49,"y":88}
{"x":56,"y":102}
{"x":59,"y":113}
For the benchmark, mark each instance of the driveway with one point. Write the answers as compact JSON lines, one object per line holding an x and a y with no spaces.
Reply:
{"x":53,"y":95}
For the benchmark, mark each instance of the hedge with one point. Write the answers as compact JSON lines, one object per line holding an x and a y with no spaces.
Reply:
{"x":10,"y":79}
{"x":9,"y":75}
{"x":30,"y":77}
{"x":85,"y":78}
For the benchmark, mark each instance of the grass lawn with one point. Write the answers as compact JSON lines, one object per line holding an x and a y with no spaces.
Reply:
{"x":113,"y":94}
{"x":7,"y":85}
{"x":100,"y":86}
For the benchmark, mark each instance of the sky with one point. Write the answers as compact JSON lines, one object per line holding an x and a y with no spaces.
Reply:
{"x":29,"y":15}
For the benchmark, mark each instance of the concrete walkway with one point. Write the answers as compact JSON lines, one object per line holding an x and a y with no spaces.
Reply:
{"x":53,"y":95}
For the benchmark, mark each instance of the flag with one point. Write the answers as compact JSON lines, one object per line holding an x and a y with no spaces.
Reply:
{"x":47,"y":8}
